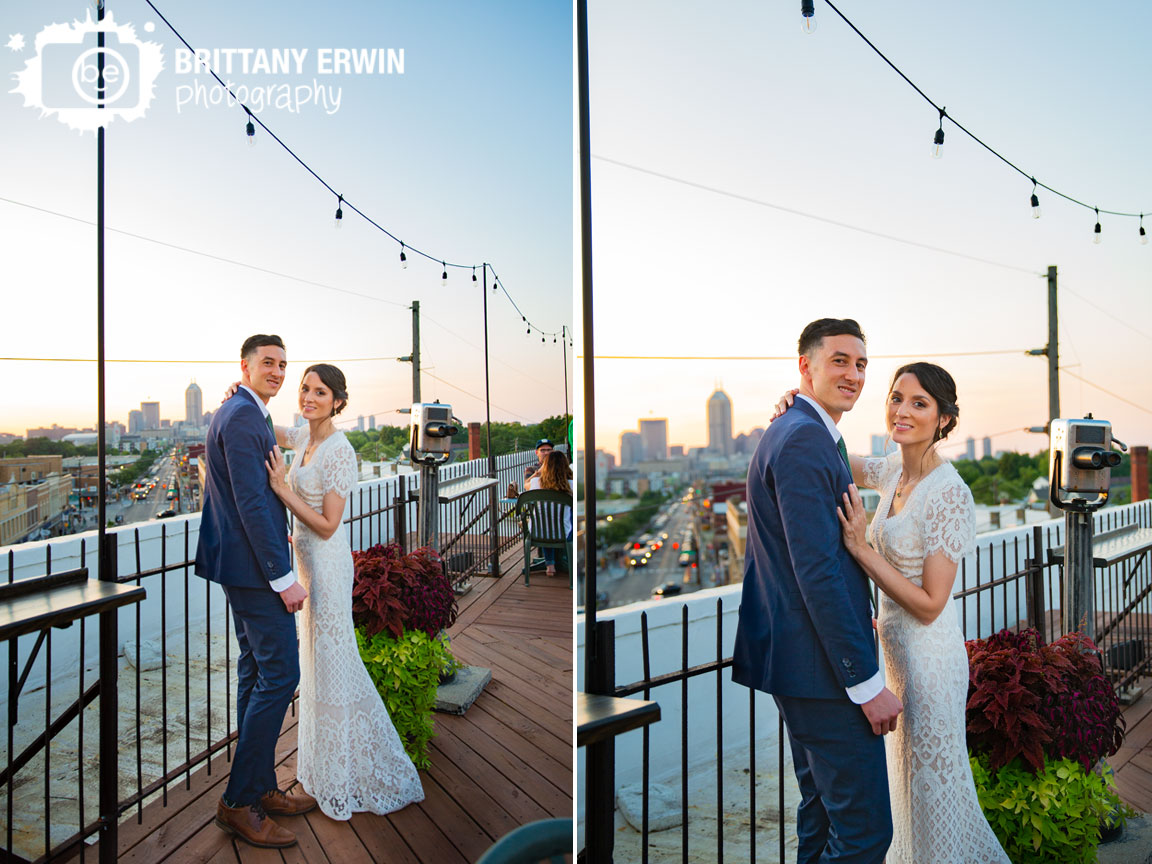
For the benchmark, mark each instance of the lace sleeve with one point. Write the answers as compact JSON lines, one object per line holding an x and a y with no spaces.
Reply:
{"x":950,"y":521}
{"x":874,"y":471}
{"x":297,"y":437}
{"x":339,"y":470}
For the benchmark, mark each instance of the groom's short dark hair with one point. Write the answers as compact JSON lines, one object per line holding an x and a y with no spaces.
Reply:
{"x":259,"y":341}
{"x":815,"y":332}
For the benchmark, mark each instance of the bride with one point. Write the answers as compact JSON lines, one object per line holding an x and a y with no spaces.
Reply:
{"x":350,"y":758}
{"x":924,"y":524}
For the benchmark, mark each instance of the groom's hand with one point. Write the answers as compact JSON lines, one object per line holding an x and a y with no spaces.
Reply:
{"x":294,"y":596}
{"x":882,"y":712}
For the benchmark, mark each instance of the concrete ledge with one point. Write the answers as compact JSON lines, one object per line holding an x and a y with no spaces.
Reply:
{"x":457,"y":695}
{"x":1133,"y":847}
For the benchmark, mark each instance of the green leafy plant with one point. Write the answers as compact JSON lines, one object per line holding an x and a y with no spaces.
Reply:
{"x":406,"y":671}
{"x":1052,"y":815}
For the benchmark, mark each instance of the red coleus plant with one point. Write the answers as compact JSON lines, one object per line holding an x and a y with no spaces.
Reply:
{"x":394,"y":591}
{"x":1027,"y":699}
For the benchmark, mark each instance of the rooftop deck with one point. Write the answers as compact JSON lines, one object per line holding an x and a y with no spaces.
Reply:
{"x":1133,"y":761}
{"x":506,"y":762}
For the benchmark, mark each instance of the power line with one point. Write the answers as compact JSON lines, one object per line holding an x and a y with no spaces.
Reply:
{"x":762,"y":203}
{"x":473,"y":395}
{"x":1104,"y":311}
{"x":943,"y":114}
{"x":955,"y":444}
{"x":257,"y":269}
{"x":793,"y":356}
{"x":1066,"y":371}
{"x":185,"y":362}
{"x":208,"y":255}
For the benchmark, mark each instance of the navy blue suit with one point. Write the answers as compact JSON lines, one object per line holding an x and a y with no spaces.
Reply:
{"x":805,"y":635}
{"x":243,"y":545}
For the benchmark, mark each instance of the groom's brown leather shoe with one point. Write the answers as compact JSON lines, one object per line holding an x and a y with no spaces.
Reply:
{"x":252,"y":824}
{"x":292,"y":803}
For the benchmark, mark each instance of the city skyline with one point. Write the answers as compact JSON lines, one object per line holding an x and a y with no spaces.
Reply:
{"x":210,"y":240}
{"x":956,"y":446}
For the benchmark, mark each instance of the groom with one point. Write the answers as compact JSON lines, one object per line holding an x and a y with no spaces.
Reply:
{"x":803,"y":633}
{"x":244,"y":546}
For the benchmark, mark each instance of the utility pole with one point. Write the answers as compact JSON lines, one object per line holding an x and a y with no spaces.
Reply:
{"x":416,"y":350}
{"x":414,"y":357}
{"x":1052,"y":352}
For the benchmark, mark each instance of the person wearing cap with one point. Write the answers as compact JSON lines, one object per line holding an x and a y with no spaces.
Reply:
{"x":543,"y":448}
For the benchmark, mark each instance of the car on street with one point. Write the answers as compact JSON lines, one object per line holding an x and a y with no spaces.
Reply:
{"x":666,"y":590}
{"x":164,"y":514}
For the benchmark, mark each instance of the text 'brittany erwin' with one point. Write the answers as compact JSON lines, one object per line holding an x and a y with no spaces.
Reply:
{"x":290,"y":61}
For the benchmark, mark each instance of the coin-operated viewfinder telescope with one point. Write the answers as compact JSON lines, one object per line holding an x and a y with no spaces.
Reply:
{"x":429,"y":447}
{"x":1080,"y":462}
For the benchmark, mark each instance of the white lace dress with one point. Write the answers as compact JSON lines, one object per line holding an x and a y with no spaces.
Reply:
{"x":936,"y":816}
{"x":349,"y":756}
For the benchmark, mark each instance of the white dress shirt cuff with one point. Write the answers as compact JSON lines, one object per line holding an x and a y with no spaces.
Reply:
{"x":286,"y":581}
{"x":866,"y":692}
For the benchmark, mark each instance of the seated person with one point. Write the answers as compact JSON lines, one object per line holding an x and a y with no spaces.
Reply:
{"x":554,"y":474}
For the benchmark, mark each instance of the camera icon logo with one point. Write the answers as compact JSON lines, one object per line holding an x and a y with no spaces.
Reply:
{"x":86,"y":84}
{"x":71,"y":76}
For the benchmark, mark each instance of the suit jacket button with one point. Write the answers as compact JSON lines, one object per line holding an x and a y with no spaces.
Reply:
{"x":847,"y":663}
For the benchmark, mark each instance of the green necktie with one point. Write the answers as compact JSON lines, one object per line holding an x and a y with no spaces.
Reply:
{"x":272,"y":428}
{"x":843,"y":453}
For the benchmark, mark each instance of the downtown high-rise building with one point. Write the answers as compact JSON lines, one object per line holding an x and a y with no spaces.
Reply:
{"x":631,"y":449}
{"x":720,"y":423}
{"x":135,"y":421}
{"x":193,"y":404}
{"x":987,"y":447}
{"x":654,"y":439}
{"x":151,"y":412}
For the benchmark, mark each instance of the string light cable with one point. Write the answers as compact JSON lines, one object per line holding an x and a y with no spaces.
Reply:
{"x":938,"y":141}
{"x":342,"y":201}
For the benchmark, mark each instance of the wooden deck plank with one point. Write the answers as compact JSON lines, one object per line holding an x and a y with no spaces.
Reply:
{"x":506,"y":762}
{"x":519,"y":806}
{"x":382,"y":840}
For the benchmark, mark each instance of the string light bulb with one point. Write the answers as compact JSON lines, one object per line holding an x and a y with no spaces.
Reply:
{"x":250,"y":129}
{"x":473,"y":274}
{"x":1143,"y":236}
{"x":938,"y":139}
{"x":1035,"y":201}
{"x":403,"y":258}
{"x":1096,"y":230}
{"x":339,"y":211}
{"x":444,"y":275}
{"x":808,"y":11}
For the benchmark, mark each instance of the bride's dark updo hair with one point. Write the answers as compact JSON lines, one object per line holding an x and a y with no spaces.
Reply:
{"x":333,"y":379}
{"x":938,"y":384}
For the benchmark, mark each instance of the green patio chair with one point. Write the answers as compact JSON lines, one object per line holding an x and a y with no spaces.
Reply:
{"x":545,"y":840}
{"x":541,"y":513}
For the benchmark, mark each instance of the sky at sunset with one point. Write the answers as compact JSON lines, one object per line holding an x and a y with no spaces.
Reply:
{"x":748,"y":178}
{"x":466,"y":155}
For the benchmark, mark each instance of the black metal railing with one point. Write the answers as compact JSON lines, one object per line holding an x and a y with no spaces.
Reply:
{"x":1009,"y":583}
{"x":179,"y":713}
